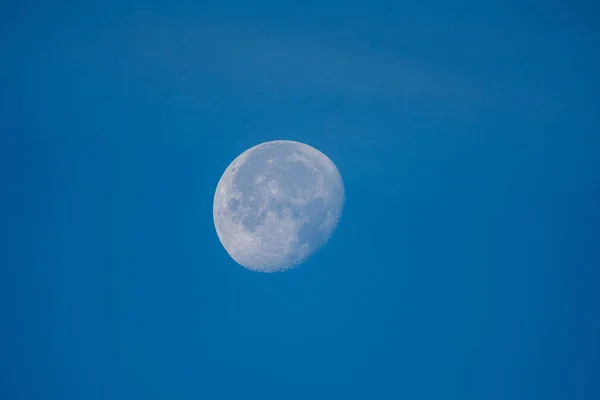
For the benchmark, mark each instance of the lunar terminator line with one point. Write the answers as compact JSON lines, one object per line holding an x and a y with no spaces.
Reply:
{"x":276,"y":204}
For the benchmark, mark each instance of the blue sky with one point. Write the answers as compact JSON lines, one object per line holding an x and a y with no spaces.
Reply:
{"x":466,"y":263}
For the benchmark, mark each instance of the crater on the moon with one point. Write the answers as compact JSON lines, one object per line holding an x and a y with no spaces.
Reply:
{"x":276,"y":204}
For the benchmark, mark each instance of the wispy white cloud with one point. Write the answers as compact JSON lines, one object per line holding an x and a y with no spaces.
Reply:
{"x":188,"y":52}
{"x":292,"y":64}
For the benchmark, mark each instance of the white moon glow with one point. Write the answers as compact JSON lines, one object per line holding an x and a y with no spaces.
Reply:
{"x":276,"y":204}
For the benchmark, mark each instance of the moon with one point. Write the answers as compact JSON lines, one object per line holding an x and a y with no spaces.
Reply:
{"x":276,"y":204}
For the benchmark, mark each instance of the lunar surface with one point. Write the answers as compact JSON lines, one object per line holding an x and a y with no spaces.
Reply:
{"x":276,"y":204}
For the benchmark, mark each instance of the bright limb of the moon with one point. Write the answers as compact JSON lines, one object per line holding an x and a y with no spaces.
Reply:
{"x":276,"y":204}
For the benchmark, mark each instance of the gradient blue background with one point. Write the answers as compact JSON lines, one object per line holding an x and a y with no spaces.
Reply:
{"x":467,"y":263}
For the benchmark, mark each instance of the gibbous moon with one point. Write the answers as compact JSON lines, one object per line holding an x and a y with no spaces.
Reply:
{"x":276,"y":204}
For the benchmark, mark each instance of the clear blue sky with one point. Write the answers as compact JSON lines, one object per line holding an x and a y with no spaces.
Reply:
{"x":467,"y":263}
